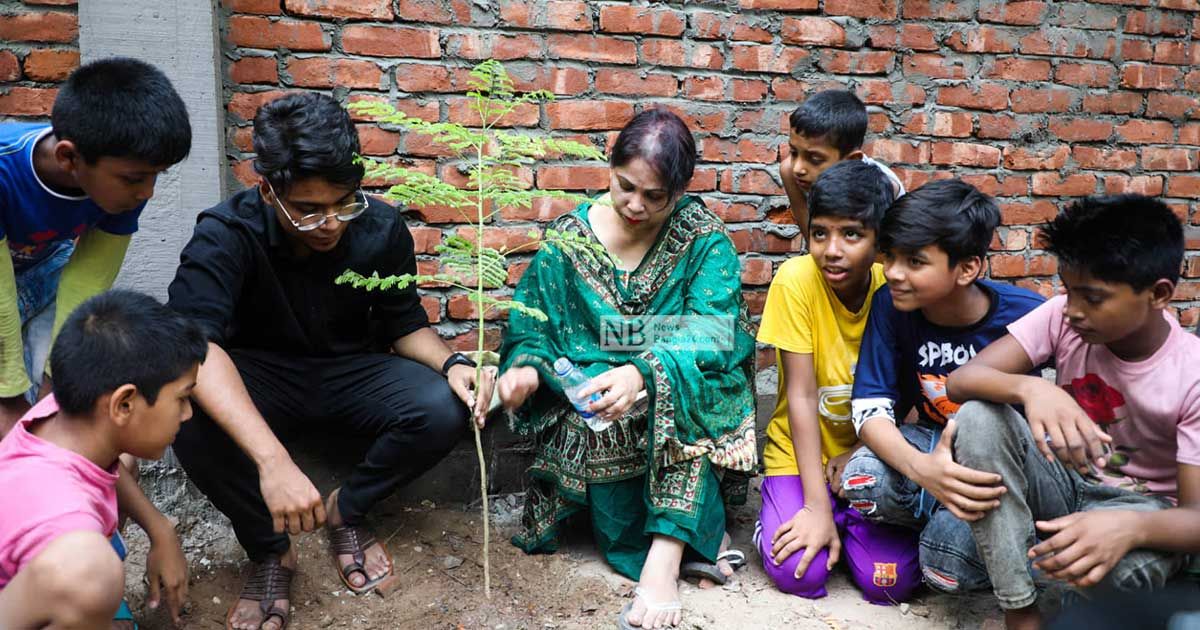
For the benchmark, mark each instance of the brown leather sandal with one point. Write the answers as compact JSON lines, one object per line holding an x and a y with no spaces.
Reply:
{"x":352,"y":540}
{"x":269,"y":583}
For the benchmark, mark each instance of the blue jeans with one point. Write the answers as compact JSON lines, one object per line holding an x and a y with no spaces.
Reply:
{"x":950,"y":560}
{"x":37,"y":290}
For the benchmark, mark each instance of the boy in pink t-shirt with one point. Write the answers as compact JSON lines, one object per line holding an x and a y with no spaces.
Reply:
{"x":1105,"y":463}
{"x":124,"y":367}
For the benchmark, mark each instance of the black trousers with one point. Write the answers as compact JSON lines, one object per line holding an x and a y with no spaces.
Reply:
{"x":406,"y":411}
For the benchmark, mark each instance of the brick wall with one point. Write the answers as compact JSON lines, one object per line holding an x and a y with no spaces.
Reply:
{"x":1033,"y":102}
{"x":39,"y":47}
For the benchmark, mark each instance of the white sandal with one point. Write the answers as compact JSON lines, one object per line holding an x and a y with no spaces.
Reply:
{"x":651,"y":607}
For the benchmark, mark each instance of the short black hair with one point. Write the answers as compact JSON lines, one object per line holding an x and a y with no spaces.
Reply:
{"x":852,"y":189}
{"x":836,"y":116}
{"x":664,"y":141}
{"x":304,"y":135}
{"x":1131,"y":239}
{"x":949,"y":213}
{"x":117,"y":338}
{"x":122,"y":107}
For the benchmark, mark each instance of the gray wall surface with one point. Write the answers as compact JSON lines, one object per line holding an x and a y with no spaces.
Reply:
{"x":179,"y":37}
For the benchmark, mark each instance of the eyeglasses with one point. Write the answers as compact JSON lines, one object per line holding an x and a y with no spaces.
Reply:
{"x":310,"y":222}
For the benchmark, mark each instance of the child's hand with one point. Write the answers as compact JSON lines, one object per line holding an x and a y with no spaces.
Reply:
{"x":620,"y":386}
{"x":1085,"y":545}
{"x":969,"y":494}
{"x":166,"y":569}
{"x":516,"y":385}
{"x":1073,"y":437}
{"x":809,"y":531}
{"x":834,"y":468}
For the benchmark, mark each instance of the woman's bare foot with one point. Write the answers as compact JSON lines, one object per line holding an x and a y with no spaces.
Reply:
{"x":248,"y":615}
{"x":377,"y":563}
{"x":723,"y":565}
{"x":659,"y":586}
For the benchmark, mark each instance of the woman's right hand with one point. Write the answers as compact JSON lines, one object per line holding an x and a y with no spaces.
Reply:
{"x":516,"y":385}
{"x":810,"y":531}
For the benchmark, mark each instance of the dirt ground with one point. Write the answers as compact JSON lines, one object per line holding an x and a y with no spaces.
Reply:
{"x":436,"y":551}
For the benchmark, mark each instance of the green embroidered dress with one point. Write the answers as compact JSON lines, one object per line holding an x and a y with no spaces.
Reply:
{"x":663,"y":466}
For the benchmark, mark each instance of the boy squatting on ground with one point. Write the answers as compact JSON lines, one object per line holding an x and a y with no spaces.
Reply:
{"x":124,"y":368}
{"x":935,"y":315}
{"x":71,"y":193}
{"x":815,"y":314}
{"x":1106,"y":461}
{"x":827,"y":128}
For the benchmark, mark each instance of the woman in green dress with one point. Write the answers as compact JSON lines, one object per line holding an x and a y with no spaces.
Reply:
{"x":655,"y":481}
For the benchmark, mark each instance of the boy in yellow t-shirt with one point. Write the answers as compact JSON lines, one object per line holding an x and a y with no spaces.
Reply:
{"x":815,"y":315}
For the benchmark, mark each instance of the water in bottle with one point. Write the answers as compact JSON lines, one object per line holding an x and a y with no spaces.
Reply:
{"x":573,"y":381}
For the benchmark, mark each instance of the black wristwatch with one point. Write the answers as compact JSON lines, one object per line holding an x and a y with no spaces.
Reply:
{"x":457,"y":358}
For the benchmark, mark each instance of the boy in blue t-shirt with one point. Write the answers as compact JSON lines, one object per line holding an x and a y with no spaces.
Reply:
{"x":70,"y":196}
{"x":936,"y":314}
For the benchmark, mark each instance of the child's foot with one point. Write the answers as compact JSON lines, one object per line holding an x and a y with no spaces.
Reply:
{"x":657,"y":602}
{"x":1028,"y":618}
{"x":376,"y":563}
{"x":722,"y":564}
{"x":247,"y":614}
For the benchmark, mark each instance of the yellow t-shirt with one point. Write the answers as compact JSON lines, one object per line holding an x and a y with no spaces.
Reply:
{"x":804,"y":316}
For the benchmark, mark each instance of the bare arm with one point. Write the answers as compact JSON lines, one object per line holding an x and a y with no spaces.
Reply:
{"x":426,"y":347}
{"x":1176,"y":529}
{"x":999,"y":373}
{"x":166,"y":566}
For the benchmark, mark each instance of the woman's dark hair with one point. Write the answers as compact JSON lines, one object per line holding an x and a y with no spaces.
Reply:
{"x":852,"y":189}
{"x":118,"y":338}
{"x":948,"y":213}
{"x":664,"y":141}
{"x":122,"y":107}
{"x":305,"y":135}
{"x":1131,"y":239}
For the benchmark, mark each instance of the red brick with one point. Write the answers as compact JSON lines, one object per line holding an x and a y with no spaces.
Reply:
{"x":27,"y":101}
{"x":1080,"y":129}
{"x":1164,"y":105}
{"x":885,"y":93}
{"x":978,"y":95}
{"x":431,"y":11}
{"x":1011,"y":186}
{"x":1104,"y":159}
{"x":665,"y":52}
{"x":779,"y":5}
{"x":593,"y":48}
{"x":51,"y":26}
{"x":756,"y":271}
{"x":1007,"y":265}
{"x":461,"y":110}
{"x":882,"y":9}
{"x":982,"y":39}
{"x":749,"y":182}
{"x":642,"y":20}
{"x":898,"y":151}
{"x":1055,"y":185}
{"x":342,"y":9}
{"x":1178,"y":53}
{"x":1017,"y":69}
{"x":376,"y":141}
{"x":952,"y":124}
{"x":965,"y":154}
{"x":812,"y":30}
{"x":934,"y":66}
{"x":1182,"y":5}
{"x":1039,"y":211}
{"x":733,"y":212}
{"x":561,"y":81}
{"x":1191,"y":81}
{"x":1147,"y":77}
{"x":254,"y":70}
{"x":1026,"y":100}
{"x":703,"y":180}
{"x":243,"y":172}
{"x":409,"y":106}
{"x":845,"y":62}
{"x":589,"y":115}
{"x":1146,"y":131}
{"x":469,"y":341}
{"x":703,"y":119}
{"x":45,"y":64}
{"x":244,"y":104}
{"x":748,"y":90}
{"x":324,"y":72}
{"x":260,"y":32}
{"x":561,"y":15}
{"x":918,"y":37}
{"x":461,"y":307}
{"x":1086,"y":74}
{"x":1085,"y":15}
{"x":1137,"y":50}
{"x":746,"y":30}
{"x":779,"y":60}
{"x":1169,"y":159}
{"x":413,"y":77}
{"x":425,"y":239}
{"x":636,"y":83}
{"x":1149,"y":185}
{"x":747,"y":149}
{"x":704,"y":88}
{"x":10,"y":66}
{"x":392,"y":41}
{"x":1025,"y":159}
{"x":1020,"y":13}
{"x":952,"y":10}
{"x":917,"y":124}
{"x":433,"y":308}
{"x":1155,"y":23}
{"x":1000,"y":126}
{"x":261,"y":7}
{"x":1113,"y":103}
{"x":1190,"y":134}
{"x":1068,"y":43}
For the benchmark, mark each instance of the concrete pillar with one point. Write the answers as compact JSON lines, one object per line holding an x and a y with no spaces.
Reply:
{"x":180,"y":37}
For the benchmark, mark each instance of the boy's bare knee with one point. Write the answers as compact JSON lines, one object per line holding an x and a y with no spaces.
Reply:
{"x":82,"y":575}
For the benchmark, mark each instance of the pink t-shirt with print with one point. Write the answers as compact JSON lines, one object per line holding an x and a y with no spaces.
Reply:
{"x":1151,"y":408}
{"x":47,"y":491}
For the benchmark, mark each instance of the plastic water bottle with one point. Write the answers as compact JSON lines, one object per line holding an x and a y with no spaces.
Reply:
{"x":573,"y":381}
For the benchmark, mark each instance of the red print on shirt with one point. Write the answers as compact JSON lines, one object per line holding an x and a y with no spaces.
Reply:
{"x":1103,"y":404}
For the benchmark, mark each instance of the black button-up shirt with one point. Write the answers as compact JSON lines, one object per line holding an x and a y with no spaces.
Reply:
{"x":239,"y":279}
